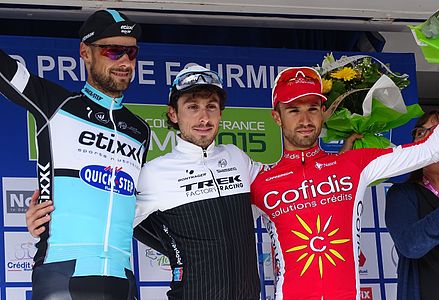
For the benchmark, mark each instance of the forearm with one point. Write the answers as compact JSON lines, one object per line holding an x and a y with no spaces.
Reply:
{"x":413,"y":236}
{"x":145,"y":234}
{"x":404,"y":159}
{"x":418,"y":239}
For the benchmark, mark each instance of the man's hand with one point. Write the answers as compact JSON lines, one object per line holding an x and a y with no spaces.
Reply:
{"x":37,"y":215}
{"x":349,"y":142}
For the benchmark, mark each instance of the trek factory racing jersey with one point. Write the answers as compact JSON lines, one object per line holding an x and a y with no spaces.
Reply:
{"x":90,"y":152}
{"x":198,"y":203}
{"x":312,"y":203}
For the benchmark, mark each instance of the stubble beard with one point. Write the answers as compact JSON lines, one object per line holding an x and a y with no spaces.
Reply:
{"x":107,"y":83}
{"x":301,"y":142}
{"x":200,"y":141}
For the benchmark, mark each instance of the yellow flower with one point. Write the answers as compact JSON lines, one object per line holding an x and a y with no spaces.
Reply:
{"x":326,"y":85}
{"x":345,"y":74}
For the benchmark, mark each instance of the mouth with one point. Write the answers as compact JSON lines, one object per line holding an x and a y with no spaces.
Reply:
{"x":121,"y":73}
{"x":306,"y":131}
{"x":203,"y":130}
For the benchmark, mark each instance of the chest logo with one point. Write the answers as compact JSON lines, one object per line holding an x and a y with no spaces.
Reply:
{"x":319,"y":245}
{"x":222,"y":163}
{"x":101,"y":117}
{"x":104,"y":178}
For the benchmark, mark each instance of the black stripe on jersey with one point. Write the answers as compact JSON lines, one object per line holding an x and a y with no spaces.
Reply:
{"x":67,"y":172}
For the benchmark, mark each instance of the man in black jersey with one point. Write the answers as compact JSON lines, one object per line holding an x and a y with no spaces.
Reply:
{"x":85,"y":244}
{"x":196,"y":198}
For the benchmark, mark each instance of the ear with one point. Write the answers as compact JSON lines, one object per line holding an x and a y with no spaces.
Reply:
{"x":172,"y":114}
{"x":85,"y":53}
{"x":276,"y":117}
{"x":323,"y":108}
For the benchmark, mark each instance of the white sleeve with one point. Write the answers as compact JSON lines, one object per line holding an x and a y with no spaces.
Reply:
{"x":255,"y":168}
{"x":404,"y":159}
{"x":145,"y":205}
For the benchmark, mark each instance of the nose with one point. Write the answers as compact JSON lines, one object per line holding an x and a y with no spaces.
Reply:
{"x":124,"y":60}
{"x":204,"y":115}
{"x":305,"y":118}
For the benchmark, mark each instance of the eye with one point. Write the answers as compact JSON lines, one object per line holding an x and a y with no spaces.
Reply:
{"x":192,"y":107}
{"x":212,"y":107}
{"x":292,"y":110}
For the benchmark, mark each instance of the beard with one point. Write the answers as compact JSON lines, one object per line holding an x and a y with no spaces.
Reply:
{"x":107,"y":83}
{"x":299,"y":141}
{"x":200,"y":141}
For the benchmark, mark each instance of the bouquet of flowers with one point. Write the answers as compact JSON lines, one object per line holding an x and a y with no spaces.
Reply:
{"x":427,"y":37}
{"x":364,"y":97}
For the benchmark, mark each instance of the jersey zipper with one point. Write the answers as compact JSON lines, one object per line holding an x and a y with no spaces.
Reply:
{"x":111,"y":199}
{"x":303,"y":164}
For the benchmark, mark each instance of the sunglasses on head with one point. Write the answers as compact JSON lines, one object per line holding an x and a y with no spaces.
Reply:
{"x":195,"y":78}
{"x":114,"y":52}
{"x":291,"y":74}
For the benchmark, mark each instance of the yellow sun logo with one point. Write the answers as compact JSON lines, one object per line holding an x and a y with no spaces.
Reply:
{"x":317,"y":245}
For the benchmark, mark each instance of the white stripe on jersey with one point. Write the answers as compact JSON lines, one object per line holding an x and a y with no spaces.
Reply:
{"x":21,"y":78}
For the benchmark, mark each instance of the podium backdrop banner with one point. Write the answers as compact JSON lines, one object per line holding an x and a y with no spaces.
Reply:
{"x":248,"y":75}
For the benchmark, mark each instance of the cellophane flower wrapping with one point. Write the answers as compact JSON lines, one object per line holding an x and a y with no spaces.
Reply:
{"x":427,"y":38}
{"x":364,"y":96}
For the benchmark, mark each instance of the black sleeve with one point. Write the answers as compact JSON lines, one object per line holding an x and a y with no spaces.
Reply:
{"x":145,"y":233}
{"x":38,"y":95}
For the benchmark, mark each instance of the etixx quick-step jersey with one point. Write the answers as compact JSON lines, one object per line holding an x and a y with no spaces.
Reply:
{"x":90,"y":152}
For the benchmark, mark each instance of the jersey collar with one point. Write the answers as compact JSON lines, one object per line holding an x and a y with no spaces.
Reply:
{"x":190,"y":148}
{"x":302,"y":156}
{"x":100,"y":98}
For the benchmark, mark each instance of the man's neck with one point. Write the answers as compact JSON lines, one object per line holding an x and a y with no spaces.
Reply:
{"x":101,"y":98}
{"x":290,"y":147}
{"x":104,"y":92}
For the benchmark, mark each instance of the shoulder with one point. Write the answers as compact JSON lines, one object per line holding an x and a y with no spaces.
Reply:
{"x":232,"y":149}
{"x":134,"y":119}
{"x":366,"y":152}
{"x":159,"y":161}
{"x":156,"y":165}
{"x":399,"y":191}
{"x":270,"y":172}
{"x":402,"y":187}
{"x":228,"y":147}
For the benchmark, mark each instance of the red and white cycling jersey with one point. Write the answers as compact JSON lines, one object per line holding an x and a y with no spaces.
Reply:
{"x":312,"y":203}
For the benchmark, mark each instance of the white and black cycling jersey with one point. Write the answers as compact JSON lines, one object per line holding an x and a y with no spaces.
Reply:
{"x":197,"y":202}
{"x":90,"y":152}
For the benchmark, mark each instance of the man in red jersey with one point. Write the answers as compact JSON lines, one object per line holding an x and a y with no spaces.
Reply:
{"x":312,"y":201}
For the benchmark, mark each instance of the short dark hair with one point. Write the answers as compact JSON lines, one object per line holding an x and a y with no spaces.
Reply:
{"x":208,"y":90}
